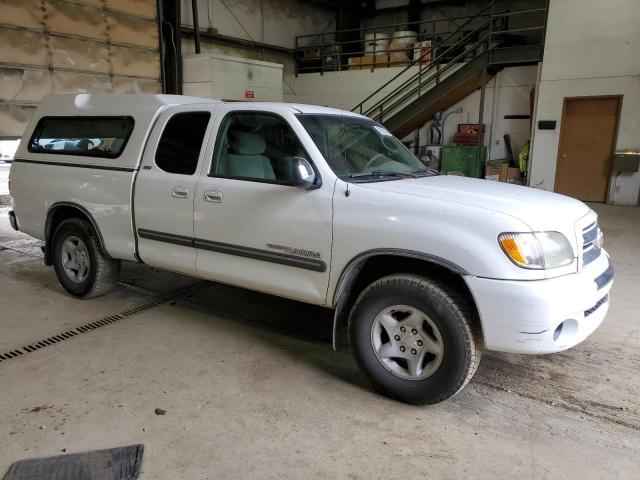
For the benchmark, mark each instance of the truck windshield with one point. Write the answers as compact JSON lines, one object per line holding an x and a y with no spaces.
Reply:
{"x":361,"y":150}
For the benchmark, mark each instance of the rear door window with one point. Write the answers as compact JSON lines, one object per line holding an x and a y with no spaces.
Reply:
{"x":181,"y":141}
{"x":85,"y":136}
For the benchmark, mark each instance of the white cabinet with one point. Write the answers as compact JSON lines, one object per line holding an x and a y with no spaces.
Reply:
{"x":224,"y":77}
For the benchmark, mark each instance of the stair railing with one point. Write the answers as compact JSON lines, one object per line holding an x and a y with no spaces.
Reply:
{"x":434,"y":63}
{"x":406,"y":90}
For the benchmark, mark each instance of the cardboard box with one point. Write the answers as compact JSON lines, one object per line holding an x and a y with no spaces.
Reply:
{"x":374,"y":61}
{"x":354,"y":63}
{"x":399,"y":59}
{"x":470,"y":128}
{"x":501,"y":172}
{"x":493,"y":171}
{"x":401,"y":47}
{"x":422,"y":52}
{"x":311,"y":53}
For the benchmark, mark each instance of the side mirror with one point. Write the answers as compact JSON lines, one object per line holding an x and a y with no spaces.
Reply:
{"x":303,"y":174}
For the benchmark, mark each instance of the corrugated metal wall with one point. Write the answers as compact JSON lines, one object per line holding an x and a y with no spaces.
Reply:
{"x":73,"y":46}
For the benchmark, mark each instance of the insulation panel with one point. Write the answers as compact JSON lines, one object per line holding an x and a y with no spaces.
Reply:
{"x":132,"y":30}
{"x":75,"y":54}
{"x":135,"y":85}
{"x":14,"y":118}
{"x":24,"y":85}
{"x":22,"y":47}
{"x":146,"y":8}
{"x":139,"y":63}
{"x":64,"y":17}
{"x":22,"y":13}
{"x":71,"y":82}
{"x":73,"y":46}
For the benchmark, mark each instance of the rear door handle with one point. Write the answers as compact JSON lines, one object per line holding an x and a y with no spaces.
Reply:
{"x":213,"y":196}
{"x":180,"y":192}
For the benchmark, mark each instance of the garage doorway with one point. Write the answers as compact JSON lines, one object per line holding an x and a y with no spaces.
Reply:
{"x":588,"y":135}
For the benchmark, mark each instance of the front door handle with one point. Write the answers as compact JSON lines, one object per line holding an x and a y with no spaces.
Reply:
{"x":180,"y":192}
{"x":213,"y":196}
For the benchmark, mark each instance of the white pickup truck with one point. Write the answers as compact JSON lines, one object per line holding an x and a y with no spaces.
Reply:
{"x":424,"y":271}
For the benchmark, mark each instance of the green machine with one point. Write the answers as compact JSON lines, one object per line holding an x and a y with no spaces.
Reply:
{"x":469,"y":160}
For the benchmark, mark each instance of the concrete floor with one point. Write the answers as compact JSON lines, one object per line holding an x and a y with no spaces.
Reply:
{"x":252,"y":389}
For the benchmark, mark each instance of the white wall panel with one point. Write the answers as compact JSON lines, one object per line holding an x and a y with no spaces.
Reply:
{"x":593,"y":52}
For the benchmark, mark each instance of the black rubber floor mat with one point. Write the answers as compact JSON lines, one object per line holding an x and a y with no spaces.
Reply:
{"x":122,"y":463}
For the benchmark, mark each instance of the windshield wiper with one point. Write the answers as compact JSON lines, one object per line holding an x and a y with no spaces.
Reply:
{"x":427,"y":172}
{"x":383,"y":174}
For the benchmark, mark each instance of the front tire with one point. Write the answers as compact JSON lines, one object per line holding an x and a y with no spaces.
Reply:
{"x":414,"y":338}
{"x":81,"y":267}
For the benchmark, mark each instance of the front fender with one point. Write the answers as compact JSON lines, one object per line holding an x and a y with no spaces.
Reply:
{"x":460,"y":238}
{"x":344,"y":294}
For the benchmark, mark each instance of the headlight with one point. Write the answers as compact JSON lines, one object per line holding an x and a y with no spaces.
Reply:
{"x":540,"y":250}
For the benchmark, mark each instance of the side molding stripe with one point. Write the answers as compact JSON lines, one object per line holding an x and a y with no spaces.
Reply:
{"x":166,"y":237}
{"x":247,"y":252}
{"x":77,"y":165}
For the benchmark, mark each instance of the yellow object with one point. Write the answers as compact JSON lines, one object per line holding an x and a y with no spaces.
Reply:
{"x":523,"y":157}
{"x":511,"y":248}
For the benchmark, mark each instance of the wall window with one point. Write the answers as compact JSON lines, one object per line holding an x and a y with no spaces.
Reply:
{"x":256,"y":146}
{"x":84,"y":136}
{"x":181,"y":141}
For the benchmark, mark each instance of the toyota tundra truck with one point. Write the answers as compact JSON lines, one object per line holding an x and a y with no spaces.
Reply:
{"x":423,"y":271}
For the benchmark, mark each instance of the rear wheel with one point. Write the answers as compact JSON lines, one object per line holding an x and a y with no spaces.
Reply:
{"x":413,"y":337}
{"x":81,"y":267}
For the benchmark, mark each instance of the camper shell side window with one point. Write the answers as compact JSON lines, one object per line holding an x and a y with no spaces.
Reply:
{"x":103,"y":137}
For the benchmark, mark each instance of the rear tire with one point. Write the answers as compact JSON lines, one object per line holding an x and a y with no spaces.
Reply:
{"x":81,"y":267}
{"x":414,"y":338}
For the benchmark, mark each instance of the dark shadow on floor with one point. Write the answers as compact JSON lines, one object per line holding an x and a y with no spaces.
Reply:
{"x":301,"y":330}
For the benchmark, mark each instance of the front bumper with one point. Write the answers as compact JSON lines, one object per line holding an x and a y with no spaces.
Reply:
{"x":543,"y":316}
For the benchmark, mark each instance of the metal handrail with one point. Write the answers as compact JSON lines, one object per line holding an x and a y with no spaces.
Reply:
{"x":417,"y":88}
{"x":421,"y":22}
{"x":478,"y":35}
{"x":414,"y":85}
{"x":360,"y":105}
{"x":434,"y":64}
{"x":519,"y":12}
{"x":393,"y":25}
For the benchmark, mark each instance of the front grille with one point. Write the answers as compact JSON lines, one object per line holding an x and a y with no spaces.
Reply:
{"x":605,"y":277}
{"x":601,"y":302}
{"x":590,"y":247}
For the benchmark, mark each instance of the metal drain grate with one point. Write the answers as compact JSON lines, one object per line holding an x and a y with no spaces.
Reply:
{"x":88,"y":327}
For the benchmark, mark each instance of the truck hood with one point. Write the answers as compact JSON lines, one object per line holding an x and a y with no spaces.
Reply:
{"x":539,"y":209}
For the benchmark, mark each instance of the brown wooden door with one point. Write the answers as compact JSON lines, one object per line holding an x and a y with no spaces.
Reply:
{"x":587,"y":141}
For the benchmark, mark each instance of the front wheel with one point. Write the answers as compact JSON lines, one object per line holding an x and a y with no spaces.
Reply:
{"x":413,"y":337}
{"x":82,"y":269}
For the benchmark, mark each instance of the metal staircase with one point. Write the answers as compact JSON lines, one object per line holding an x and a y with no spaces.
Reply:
{"x":460,"y":64}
